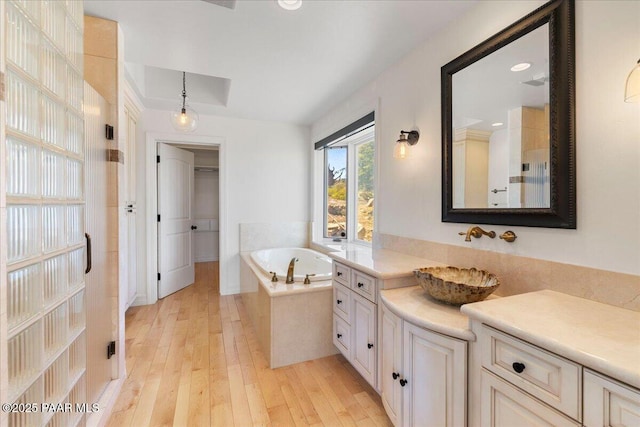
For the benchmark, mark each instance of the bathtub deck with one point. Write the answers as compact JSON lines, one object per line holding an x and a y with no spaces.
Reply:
{"x":193,"y":359}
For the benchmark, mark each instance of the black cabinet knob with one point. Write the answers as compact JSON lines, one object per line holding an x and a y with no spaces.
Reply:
{"x":339,"y":335}
{"x":403,"y":382}
{"x":360,"y":284}
{"x":339,"y":301}
{"x":518,"y":367}
{"x":194,"y":227}
{"x":339,"y":273}
{"x":395,"y":375}
{"x":370,"y":345}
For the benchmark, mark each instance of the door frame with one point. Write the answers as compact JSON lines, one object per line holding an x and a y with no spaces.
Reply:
{"x":151,"y":150}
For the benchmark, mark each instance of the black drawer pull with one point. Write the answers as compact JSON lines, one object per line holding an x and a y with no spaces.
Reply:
{"x":360,"y":284}
{"x":370,"y":345}
{"x":339,"y":301}
{"x":339,"y":335}
{"x":395,"y":375}
{"x":518,"y":367}
{"x":339,"y":273}
{"x":403,"y":382}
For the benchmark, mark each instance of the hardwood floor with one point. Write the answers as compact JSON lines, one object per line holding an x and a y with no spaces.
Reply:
{"x":193,"y":360}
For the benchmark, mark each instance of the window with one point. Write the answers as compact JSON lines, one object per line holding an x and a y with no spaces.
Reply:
{"x":348,"y":185}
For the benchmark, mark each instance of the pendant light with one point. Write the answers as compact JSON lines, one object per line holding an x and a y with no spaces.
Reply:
{"x":632,"y":88}
{"x":185,"y":118}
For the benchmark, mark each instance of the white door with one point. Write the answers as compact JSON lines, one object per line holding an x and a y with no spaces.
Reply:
{"x":363,"y":337}
{"x":130,"y":176}
{"x":175,"y":219}
{"x":435,"y":378}
{"x":391,"y":365}
{"x":96,"y":279}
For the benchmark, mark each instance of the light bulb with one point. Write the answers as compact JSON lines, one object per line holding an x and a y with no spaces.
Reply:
{"x":184,"y":119}
{"x":632,"y":87}
{"x":401,"y":150}
{"x":290,"y":4}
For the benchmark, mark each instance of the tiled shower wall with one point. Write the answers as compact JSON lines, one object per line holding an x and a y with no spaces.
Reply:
{"x":43,"y":301}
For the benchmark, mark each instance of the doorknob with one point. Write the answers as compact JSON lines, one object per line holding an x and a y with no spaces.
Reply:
{"x":194,"y":227}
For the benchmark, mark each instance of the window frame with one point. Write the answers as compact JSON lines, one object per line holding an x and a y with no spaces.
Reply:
{"x":352,"y":142}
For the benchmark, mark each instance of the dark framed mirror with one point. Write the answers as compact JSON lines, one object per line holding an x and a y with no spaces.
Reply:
{"x":508,"y":125}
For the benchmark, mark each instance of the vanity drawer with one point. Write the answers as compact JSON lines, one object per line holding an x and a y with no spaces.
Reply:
{"x":551,"y":378}
{"x":342,"y":336}
{"x":342,"y":301}
{"x":341,"y":273}
{"x":364,"y":285}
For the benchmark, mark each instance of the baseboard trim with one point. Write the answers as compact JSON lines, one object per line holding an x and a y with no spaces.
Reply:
{"x":107,"y":402}
{"x":140,"y":300}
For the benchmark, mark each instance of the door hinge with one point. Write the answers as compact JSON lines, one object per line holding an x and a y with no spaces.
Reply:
{"x":158,"y":276}
{"x":158,"y":159}
{"x":158,"y":217}
{"x":111,"y":349}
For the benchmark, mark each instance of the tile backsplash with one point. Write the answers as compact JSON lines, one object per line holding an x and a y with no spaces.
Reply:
{"x":255,"y":236}
{"x":520,"y":274}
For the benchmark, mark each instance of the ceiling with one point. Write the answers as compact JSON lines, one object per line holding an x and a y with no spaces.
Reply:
{"x":252,"y":59}
{"x":485,"y":91}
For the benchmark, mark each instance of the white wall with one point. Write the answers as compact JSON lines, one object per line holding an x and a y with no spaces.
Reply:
{"x":266,"y":168}
{"x":608,"y":138}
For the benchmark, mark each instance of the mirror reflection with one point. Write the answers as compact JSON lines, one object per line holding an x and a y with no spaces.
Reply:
{"x":500,"y":127}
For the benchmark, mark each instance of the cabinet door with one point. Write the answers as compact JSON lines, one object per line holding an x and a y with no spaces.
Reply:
{"x":608,"y":403}
{"x":434,"y":378}
{"x":503,"y":405}
{"x":391,"y":364}
{"x":363,"y":337}
{"x":342,"y":336}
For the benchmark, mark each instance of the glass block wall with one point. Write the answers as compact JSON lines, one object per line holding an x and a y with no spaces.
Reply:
{"x":43,"y":171}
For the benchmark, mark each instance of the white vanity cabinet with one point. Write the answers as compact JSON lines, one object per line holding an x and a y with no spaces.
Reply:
{"x":423,"y":374}
{"x":355,"y":319}
{"x":534,"y":358}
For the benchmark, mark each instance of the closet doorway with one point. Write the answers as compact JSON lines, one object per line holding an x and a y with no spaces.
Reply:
{"x":188,"y":213}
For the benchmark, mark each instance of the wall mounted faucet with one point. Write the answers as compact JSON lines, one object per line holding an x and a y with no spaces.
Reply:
{"x":508,"y":236}
{"x":476,"y":232}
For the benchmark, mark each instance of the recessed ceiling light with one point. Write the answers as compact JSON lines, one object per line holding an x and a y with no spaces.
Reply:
{"x":290,"y":4}
{"x":521,"y":66}
{"x":496,"y":124}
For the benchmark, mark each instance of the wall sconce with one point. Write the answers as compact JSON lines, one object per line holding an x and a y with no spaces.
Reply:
{"x":632,"y":88}
{"x":401,"y":150}
{"x":185,"y":118}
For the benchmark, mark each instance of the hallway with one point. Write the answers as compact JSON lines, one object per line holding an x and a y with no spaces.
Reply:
{"x":193,"y":360}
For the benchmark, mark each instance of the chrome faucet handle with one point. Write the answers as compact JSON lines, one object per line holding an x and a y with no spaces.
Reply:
{"x":306,"y":279}
{"x":275,"y":277}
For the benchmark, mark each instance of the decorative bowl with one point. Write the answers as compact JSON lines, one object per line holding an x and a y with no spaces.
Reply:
{"x":455,"y":285}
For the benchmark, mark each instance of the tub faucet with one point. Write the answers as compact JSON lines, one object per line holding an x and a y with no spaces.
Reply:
{"x":292,"y":264}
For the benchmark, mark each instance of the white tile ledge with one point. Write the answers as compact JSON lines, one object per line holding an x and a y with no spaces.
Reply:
{"x":413,"y":305}
{"x":598,"y":336}
{"x":280,"y":288}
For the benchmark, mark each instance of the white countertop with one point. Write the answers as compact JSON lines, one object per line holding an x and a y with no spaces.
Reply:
{"x":415,"y":306}
{"x":383,"y":263}
{"x":599,"y":336}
